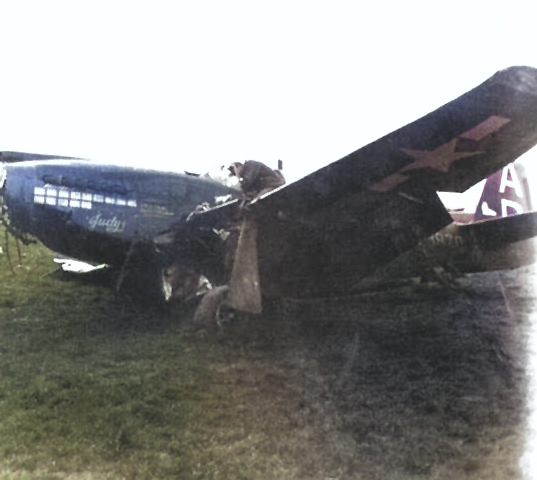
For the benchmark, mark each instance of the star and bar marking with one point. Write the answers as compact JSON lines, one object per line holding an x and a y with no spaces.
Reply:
{"x":442,"y":157}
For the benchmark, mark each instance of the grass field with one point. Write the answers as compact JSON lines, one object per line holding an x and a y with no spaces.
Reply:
{"x":92,"y":390}
{"x":397,"y":386}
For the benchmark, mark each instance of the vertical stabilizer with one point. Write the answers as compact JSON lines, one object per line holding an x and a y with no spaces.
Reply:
{"x":506,"y":193}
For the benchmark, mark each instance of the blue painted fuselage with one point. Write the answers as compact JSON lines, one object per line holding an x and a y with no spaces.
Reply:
{"x":93,"y":212}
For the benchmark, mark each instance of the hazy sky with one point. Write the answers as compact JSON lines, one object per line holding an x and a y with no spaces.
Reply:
{"x":188,"y":85}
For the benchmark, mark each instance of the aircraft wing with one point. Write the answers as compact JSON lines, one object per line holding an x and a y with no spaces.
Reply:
{"x":14,"y":157}
{"x":335,"y":226}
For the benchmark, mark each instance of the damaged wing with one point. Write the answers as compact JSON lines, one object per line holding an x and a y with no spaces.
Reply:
{"x":328,"y":231}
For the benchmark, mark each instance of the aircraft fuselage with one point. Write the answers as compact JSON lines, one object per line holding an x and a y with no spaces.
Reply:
{"x":92,"y":212}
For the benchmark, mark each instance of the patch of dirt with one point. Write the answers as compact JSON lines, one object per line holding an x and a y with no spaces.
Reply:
{"x":414,"y":382}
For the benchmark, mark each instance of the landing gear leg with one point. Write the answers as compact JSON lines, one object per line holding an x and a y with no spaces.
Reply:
{"x":140,"y":281}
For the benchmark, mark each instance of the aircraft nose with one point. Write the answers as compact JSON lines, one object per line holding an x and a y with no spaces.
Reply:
{"x":3,"y":175}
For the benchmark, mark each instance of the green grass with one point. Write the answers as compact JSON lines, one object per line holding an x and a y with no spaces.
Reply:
{"x":394,"y":385}
{"x":91,"y":389}
{"x":96,"y":391}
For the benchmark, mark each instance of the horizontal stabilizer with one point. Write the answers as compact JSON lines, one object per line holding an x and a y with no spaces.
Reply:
{"x":502,"y":231}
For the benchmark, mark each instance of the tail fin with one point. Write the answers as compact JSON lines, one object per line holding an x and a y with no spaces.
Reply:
{"x":506,"y":193}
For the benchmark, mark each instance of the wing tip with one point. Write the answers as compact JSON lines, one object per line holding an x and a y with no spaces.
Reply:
{"x":521,"y":78}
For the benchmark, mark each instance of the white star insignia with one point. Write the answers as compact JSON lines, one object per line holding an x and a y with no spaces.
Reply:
{"x":439,"y":159}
